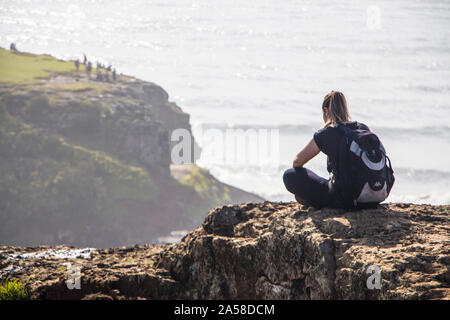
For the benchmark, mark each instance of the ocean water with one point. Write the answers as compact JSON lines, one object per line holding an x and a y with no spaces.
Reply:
{"x":265,"y":65}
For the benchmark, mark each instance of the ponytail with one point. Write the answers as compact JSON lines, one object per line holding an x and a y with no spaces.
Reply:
{"x":337,"y":108}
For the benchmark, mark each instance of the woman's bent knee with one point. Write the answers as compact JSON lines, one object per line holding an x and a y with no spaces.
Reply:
{"x":287,"y":179}
{"x":292,"y":179}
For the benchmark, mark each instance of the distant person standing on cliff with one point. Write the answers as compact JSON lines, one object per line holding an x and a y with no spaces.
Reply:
{"x":99,"y":75}
{"x":356,"y":160}
{"x":89,"y":69}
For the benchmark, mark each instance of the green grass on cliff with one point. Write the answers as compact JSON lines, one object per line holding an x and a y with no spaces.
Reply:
{"x":206,"y":185}
{"x":13,"y":290}
{"x":27,"y":68}
{"x":17,"y":67}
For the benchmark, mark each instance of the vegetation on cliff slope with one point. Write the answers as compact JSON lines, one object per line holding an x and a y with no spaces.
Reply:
{"x":50,"y":184}
{"x":13,"y":290}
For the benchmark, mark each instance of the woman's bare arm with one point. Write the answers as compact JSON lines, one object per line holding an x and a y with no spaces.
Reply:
{"x":307,"y":153}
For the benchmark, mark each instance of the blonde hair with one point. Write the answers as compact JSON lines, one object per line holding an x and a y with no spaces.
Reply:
{"x":337,"y":108}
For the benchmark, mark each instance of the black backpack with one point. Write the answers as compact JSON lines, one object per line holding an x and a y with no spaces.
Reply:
{"x":364,"y":176}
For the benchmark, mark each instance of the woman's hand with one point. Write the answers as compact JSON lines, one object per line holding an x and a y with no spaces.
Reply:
{"x":309,"y":151}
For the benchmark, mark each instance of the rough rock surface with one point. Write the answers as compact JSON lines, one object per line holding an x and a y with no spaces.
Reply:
{"x":262,"y":251}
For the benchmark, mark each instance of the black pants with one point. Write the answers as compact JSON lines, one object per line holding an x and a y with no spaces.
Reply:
{"x":316,"y":191}
{"x":311,"y":188}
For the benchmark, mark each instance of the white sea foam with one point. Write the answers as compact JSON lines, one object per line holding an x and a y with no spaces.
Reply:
{"x":173,"y":236}
{"x":83,"y":253}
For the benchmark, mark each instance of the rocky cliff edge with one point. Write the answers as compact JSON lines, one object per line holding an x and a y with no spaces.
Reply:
{"x":260,"y":251}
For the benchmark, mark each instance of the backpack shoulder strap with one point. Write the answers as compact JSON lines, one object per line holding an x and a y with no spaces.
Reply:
{"x":347,"y":132}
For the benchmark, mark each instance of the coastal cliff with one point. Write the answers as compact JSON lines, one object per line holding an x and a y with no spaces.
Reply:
{"x":87,"y":162}
{"x":264,"y":250}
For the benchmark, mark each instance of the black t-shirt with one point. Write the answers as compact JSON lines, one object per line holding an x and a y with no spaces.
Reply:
{"x":328,"y":140}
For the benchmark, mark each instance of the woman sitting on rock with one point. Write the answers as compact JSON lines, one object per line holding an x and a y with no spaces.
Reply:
{"x":356,"y":159}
